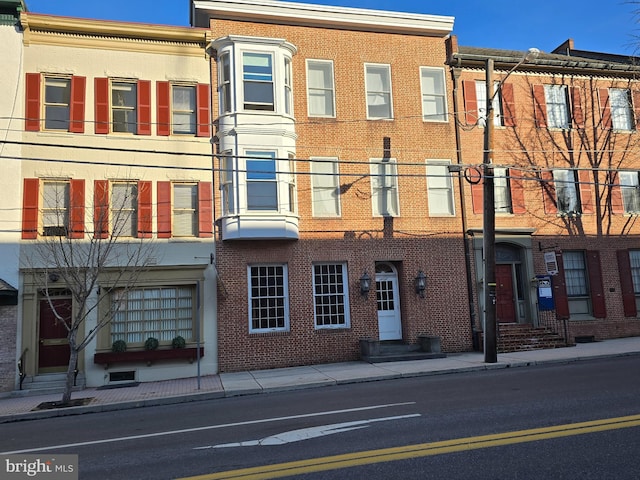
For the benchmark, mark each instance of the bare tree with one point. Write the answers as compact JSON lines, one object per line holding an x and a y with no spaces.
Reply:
{"x":88,"y":266}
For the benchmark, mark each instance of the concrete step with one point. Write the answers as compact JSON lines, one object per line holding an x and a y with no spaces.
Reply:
{"x":398,"y":352}
{"x":48,"y":383}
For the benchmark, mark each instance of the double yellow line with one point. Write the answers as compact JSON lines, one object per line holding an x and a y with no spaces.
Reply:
{"x":335,"y":462}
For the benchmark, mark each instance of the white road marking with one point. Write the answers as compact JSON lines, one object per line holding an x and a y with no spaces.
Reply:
{"x":308,"y":433}
{"x":208,"y":427}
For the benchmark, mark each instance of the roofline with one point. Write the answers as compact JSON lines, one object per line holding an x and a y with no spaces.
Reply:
{"x":109,"y":28}
{"x":324,"y":16}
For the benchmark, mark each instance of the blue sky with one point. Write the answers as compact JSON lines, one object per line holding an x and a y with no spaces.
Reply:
{"x":600,"y":25}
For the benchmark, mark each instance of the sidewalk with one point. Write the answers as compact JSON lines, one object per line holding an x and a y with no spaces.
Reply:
{"x":16,"y":408}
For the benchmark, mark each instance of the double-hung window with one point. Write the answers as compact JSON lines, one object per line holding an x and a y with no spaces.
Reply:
{"x":378,"y":84}
{"x":620,"y":104}
{"x":330,"y":295}
{"x":288,"y":95}
{"x":268,"y":298}
{"x":57,"y":101}
{"x":439,"y":188}
{"x":434,"y":95}
{"x":183,"y":108}
{"x":161,"y":312}
{"x":124,"y":209}
{"x":577,"y":282}
{"x":227,"y":173}
{"x":481,"y":95}
{"x":257,"y":75}
{"x":55,"y":208}
{"x":566,"y":191}
{"x":384,"y":187}
{"x":321,"y":90}
{"x":630,"y":187}
{"x":501,"y":190}
{"x":634,"y":260}
{"x":325,"y":186}
{"x":557,"y":103}
{"x":124,"y":106}
{"x":262,"y":181}
{"x":185,"y":210}
{"x":224,"y":83}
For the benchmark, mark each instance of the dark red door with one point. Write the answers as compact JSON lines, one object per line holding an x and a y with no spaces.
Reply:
{"x":505,"y":305}
{"x":53,"y":352}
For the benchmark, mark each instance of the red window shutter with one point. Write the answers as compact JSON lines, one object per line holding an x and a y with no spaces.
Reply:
{"x":560,"y":298}
{"x":586,"y":192}
{"x":32,"y":108}
{"x":617,"y":205}
{"x":517,"y":191}
{"x":540,"y":106}
{"x":595,"y":284}
{"x":477,"y":194}
{"x":205,"y":210}
{"x":76,"y":111}
{"x":470,"y":102}
{"x":164,"y":209}
{"x":576,"y":107}
{"x":144,"y":107}
{"x":76,"y":204}
{"x":101,"y":209}
{"x":145,"y":210}
{"x":605,"y":108}
{"x":626,"y":284}
{"x":102,"y":105}
{"x":508,"y":105}
{"x":203,"y":115}
{"x":163,"y":92}
{"x":30,"y":197}
{"x":548,"y":193}
{"x":636,"y":107}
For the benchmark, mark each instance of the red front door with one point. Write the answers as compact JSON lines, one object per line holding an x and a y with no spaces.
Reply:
{"x":505,"y":304}
{"x":53,"y":351}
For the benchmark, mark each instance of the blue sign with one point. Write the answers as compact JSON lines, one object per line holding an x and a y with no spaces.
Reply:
{"x":545,"y":293}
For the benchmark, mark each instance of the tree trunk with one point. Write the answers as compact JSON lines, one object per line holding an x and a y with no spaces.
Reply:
{"x":71,"y":369}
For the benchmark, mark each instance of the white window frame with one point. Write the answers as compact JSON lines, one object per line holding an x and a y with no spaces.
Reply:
{"x":57,"y":105}
{"x":179,"y":127}
{"x":576,"y":276}
{"x":324,"y":91}
{"x":124,"y":109}
{"x":621,"y":112}
{"x":431,"y":97}
{"x":630,"y":188}
{"x":225,"y":91}
{"x":259,"y":79}
{"x":54,"y":207}
{"x":375,"y":91}
{"x":292,"y":188}
{"x":331,"y":296}
{"x":384,"y":187}
{"x":566,"y":183}
{"x":481,"y":98}
{"x":181,"y":211}
{"x":634,"y":264}
{"x":143,"y":312}
{"x":440,"y":189}
{"x":227,"y":182}
{"x":124,"y":209}
{"x":557,"y":101}
{"x":502,"y":190}
{"x":288,"y":87}
{"x":262,"y":176}
{"x":325,"y":187}
{"x":266,"y":297}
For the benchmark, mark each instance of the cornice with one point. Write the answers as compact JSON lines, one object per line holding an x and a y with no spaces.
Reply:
{"x":289,"y":13}
{"x":87,"y":33}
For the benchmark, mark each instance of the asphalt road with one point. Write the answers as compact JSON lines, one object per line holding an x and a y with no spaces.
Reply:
{"x":522,"y":423}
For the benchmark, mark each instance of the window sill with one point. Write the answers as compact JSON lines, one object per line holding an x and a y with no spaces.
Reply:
{"x":147,"y":356}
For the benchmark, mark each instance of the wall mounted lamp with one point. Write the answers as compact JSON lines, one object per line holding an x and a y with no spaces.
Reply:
{"x":421,"y":283}
{"x":365,"y":284}
{"x":54,"y":277}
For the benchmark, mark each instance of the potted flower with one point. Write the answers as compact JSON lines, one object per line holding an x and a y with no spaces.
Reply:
{"x":151,"y":343}
{"x":119,"y":346}
{"x":178,"y":342}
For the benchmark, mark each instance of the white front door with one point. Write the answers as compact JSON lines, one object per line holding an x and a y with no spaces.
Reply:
{"x":389,"y":324}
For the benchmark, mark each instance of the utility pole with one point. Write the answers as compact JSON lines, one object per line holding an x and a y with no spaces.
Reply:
{"x":489,"y":227}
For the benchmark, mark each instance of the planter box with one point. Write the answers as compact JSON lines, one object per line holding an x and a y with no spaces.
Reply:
{"x":147,"y":356}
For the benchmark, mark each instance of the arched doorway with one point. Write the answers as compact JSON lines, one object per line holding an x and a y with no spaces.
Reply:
{"x":388,"y":299}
